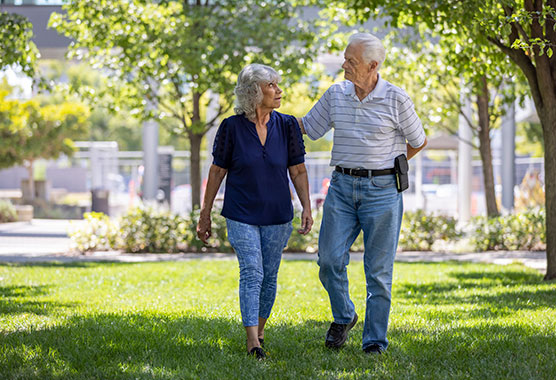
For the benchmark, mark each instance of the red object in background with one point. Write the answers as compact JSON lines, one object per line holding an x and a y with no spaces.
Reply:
{"x":323,"y":190}
{"x":325,"y":186}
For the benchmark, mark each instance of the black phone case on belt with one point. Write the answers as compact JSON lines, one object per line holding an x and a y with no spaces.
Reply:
{"x":402,"y":176}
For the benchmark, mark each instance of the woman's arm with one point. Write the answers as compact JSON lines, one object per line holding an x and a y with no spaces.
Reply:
{"x":298,"y":175}
{"x":215,"y":177}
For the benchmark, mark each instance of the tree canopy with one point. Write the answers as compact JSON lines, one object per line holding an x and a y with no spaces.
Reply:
{"x":168,"y":57}
{"x":16,"y":47}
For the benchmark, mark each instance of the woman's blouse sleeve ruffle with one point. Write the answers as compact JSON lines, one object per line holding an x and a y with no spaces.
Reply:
{"x":223,"y":145}
{"x":296,"y":147}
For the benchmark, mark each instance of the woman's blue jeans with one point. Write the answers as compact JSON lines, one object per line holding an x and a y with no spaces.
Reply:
{"x":374,"y":206}
{"x":259,"y":252}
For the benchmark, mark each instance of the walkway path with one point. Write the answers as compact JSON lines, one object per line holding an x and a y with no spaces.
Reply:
{"x":47,"y":240}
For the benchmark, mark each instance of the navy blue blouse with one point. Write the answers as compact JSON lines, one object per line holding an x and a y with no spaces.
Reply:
{"x":257,"y":187}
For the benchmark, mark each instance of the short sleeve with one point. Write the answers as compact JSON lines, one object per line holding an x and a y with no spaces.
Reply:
{"x":410,"y":124}
{"x":296,"y":147}
{"x":317,"y":121}
{"x":223,"y":146}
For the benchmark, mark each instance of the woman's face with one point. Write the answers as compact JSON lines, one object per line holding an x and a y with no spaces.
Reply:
{"x":272,"y":95}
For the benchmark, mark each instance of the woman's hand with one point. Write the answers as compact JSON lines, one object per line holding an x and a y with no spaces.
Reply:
{"x":306,"y":221}
{"x":204,"y":227}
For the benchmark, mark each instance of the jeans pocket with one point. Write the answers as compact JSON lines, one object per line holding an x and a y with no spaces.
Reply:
{"x":384,"y":181}
{"x":335,"y":177}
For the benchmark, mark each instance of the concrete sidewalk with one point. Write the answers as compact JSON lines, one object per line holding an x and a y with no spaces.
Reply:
{"x":47,"y":240}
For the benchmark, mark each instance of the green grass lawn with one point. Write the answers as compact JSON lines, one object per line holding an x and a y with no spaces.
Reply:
{"x":181,"y":321}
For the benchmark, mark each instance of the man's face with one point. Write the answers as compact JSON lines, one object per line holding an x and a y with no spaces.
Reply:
{"x":355,"y":69}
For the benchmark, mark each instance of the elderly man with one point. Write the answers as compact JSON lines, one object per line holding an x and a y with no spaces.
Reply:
{"x":375,"y":126}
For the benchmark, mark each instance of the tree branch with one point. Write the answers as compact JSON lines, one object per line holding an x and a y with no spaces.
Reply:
{"x":517,"y":28}
{"x":221,"y":111}
{"x":524,"y":62}
{"x":180,"y":94}
{"x":543,"y":68}
{"x":457,"y":103}
{"x":169,"y":108}
{"x":551,"y":37}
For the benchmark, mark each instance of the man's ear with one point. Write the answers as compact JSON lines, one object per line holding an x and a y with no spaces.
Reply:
{"x":373,"y":65}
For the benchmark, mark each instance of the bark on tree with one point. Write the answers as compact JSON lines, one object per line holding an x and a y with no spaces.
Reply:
{"x":195,"y":139}
{"x":31,"y":180}
{"x":548,"y":121}
{"x":486,"y":151}
{"x":195,"y":165}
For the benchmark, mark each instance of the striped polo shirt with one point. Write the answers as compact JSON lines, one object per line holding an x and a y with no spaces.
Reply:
{"x":369,"y":133}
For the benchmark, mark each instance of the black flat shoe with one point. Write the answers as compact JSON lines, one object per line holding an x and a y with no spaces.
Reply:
{"x":261,"y":342}
{"x":258,"y":353}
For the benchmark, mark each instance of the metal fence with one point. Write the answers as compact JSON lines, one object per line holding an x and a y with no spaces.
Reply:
{"x":120,"y":172}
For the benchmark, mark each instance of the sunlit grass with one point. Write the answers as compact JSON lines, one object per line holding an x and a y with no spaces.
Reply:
{"x":181,"y":321}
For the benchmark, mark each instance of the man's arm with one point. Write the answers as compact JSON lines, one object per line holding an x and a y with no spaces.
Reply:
{"x":300,"y":122}
{"x":411,"y":151}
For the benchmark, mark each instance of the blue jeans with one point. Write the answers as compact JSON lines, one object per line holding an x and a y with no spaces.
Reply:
{"x":259,"y":252}
{"x":374,"y":206}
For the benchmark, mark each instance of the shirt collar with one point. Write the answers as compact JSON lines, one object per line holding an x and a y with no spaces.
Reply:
{"x":378,"y":92}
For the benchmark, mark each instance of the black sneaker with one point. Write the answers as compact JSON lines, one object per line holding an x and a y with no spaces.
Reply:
{"x":337,"y":333}
{"x":373,"y":349}
{"x":258,"y":353}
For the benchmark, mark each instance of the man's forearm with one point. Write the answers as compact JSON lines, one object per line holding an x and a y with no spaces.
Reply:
{"x":411,"y":151}
{"x":300,"y":122}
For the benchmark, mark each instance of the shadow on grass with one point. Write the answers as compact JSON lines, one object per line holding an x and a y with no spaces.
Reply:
{"x":131,"y":346}
{"x":458,"y":335}
{"x":15,"y":300}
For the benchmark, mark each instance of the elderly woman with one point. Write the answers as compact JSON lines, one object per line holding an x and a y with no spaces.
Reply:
{"x":256,"y":148}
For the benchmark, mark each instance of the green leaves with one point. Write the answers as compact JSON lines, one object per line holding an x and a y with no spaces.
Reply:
{"x":169,"y":50}
{"x":16,"y":47}
{"x":29,"y":131}
{"x":523,"y":231}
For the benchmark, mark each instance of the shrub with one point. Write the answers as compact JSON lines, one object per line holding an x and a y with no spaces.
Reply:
{"x":521,"y":231}
{"x":96,"y":233}
{"x":49,"y":210}
{"x":218,"y":241}
{"x":7,"y":212}
{"x":150,"y":230}
{"x":219,"y":232}
{"x":305,"y":243}
{"x":420,"y":230}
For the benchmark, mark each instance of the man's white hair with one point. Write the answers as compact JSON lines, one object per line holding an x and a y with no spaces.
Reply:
{"x":248,"y":89}
{"x":373,"y":49}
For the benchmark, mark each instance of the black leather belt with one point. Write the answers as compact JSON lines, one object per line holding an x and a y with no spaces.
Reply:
{"x":365,"y":172}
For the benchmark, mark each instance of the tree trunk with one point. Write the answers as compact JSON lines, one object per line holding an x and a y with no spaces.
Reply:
{"x":548,"y":121}
{"x":486,"y":152}
{"x":195,"y":139}
{"x":195,"y":166}
{"x":31,"y":181}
